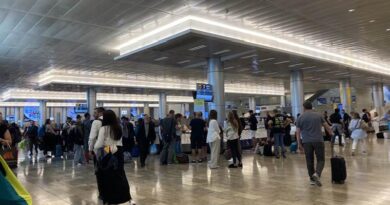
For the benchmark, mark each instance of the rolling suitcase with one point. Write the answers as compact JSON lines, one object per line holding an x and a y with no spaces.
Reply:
{"x":268,"y":150}
{"x":182,"y":158}
{"x":380,"y":135}
{"x":339,"y":169}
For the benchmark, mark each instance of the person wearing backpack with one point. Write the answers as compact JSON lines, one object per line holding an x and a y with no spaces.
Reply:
{"x":77,"y":136}
{"x":278,"y":125}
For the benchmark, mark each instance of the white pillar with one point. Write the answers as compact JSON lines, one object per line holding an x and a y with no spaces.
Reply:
{"x":16,"y":113}
{"x":297,"y":95}
{"x":42,"y":112}
{"x":162,"y":106}
{"x":146,"y":109}
{"x":216,"y":79}
{"x":377,"y":94}
{"x":252,"y":104}
{"x":91,"y":100}
{"x":345,"y":95}
{"x":283,"y":101}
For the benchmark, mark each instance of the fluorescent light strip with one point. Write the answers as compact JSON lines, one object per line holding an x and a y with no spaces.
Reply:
{"x":72,"y":77}
{"x":247,"y":36}
{"x":228,"y":68}
{"x":267,"y":59}
{"x":281,"y":62}
{"x":182,"y":62}
{"x":197,"y":48}
{"x":250,"y":56}
{"x":160,"y":59}
{"x":124,"y":105}
{"x":19,"y":94}
{"x":294,"y":65}
{"x":221,"y":52}
{"x":309,"y":67}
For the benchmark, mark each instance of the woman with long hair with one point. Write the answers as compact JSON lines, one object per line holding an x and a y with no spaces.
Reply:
{"x":110,"y":169}
{"x":214,"y":139}
{"x":231,"y":131}
{"x":358,"y":128}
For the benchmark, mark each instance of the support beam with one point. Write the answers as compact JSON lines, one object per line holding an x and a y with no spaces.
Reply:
{"x":252,"y":104}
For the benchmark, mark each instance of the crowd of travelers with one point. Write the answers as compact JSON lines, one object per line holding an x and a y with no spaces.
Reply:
{"x":108,"y":141}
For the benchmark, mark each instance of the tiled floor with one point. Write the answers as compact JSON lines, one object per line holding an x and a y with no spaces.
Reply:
{"x":263,"y":180}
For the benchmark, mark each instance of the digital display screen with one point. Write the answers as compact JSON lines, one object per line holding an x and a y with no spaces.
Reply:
{"x":204,"y":91}
{"x":81,"y":108}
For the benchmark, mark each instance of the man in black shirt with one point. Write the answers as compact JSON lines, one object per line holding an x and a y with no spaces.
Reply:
{"x":32,"y":136}
{"x":278,"y":125}
{"x":253,"y":128}
{"x":337,"y":126}
{"x":346,"y":120}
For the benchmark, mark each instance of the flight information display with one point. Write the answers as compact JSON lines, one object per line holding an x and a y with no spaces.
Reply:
{"x":204,"y":91}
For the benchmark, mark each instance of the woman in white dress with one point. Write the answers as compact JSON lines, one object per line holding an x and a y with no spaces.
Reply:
{"x":214,"y":139}
{"x":358,"y":128}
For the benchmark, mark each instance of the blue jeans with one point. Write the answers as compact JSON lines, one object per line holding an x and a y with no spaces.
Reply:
{"x":78,"y":154}
{"x":279,"y":142}
{"x":178,"y":147}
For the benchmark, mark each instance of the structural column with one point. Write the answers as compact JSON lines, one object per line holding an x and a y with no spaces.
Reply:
{"x":146,"y":109}
{"x":162,"y":110}
{"x":17,"y":114}
{"x":345,"y":95}
{"x":283,"y":101}
{"x":91,"y":100}
{"x":252,"y":104}
{"x":42,"y":112}
{"x":377,"y":94}
{"x":297,"y":95}
{"x":216,"y":79}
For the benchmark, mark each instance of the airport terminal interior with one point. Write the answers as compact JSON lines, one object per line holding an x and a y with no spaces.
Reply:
{"x":222,"y":97}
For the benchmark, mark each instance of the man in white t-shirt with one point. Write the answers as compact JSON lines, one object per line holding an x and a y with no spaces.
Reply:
{"x":96,"y":125}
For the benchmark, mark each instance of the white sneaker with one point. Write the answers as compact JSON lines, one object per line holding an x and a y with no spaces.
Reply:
{"x":316,"y":179}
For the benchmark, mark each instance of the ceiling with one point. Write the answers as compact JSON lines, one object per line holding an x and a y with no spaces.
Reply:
{"x":38,"y":35}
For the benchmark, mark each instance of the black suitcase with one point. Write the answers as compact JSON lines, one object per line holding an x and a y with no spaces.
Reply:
{"x":268,"y":150}
{"x":380,"y":135}
{"x":182,"y":158}
{"x":339,"y":169}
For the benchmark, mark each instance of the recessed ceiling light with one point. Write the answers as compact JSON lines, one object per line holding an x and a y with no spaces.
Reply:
{"x":160,"y":59}
{"x":197,"y":48}
{"x":182,"y":62}
{"x":388,"y":29}
{"x":372,"y":21}
{"x":281,"y":62}
{"x":305,"y":68}
{"x":222,"y":51}
{"x":351,"y":10}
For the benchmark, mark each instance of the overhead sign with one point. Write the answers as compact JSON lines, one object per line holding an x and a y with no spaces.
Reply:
{"x":81,"y":108}
{"x":321,"y":101}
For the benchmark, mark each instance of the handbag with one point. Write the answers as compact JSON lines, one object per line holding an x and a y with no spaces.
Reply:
{"x":7,"y":152}
{"x":153,"y":149}
{"x":12,"y":191}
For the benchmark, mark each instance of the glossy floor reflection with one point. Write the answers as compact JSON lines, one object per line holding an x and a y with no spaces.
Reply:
{"x":263,"y":180}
